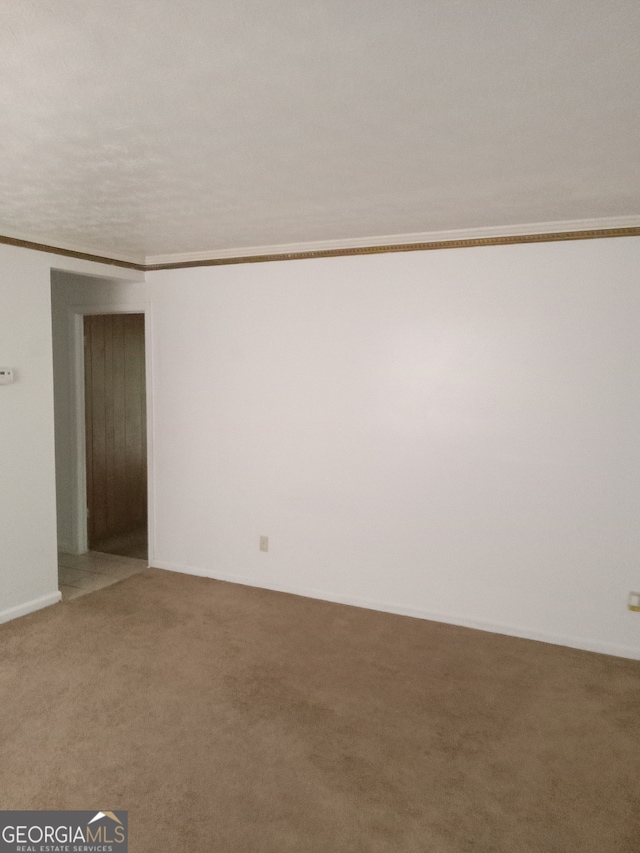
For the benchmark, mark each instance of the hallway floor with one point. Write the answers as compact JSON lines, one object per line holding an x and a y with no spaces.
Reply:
{"x":79,"y":574}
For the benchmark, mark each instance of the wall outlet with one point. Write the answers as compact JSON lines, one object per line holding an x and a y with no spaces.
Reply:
{"x":264,"y":544}
{"x":6,"y":376}
{"x":634,"y":602}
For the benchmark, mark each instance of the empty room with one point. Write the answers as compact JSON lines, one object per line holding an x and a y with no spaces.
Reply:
{"x":327,"y":314}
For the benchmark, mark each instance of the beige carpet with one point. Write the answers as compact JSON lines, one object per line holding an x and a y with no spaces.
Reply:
{"x":233,"y":720}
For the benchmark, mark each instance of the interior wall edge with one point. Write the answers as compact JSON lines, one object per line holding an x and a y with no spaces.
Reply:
{"x":30,"y":606}
{"x":523,"y":632}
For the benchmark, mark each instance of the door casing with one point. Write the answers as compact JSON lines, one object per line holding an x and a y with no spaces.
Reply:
{"x":76,"y":316}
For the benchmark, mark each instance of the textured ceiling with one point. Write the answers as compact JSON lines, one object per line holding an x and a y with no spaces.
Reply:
{"x":138,"y":129}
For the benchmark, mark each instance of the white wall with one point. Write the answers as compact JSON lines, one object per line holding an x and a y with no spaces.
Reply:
{"x":28,"y":557}
{"x":452,"y":434}
{"x":71,"y":296}
{"x":28,"y":571}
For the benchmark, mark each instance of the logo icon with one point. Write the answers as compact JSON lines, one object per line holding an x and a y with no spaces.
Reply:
{"x":100,"y":815}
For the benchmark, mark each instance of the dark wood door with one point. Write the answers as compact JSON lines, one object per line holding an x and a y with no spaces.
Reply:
{"x":115,"y":417}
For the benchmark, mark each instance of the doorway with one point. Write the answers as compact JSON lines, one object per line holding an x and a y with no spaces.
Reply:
{"x":116,"y":434}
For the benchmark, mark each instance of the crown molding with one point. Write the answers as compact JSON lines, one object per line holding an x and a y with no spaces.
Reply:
{"x":117,"y":259}
{"x":538,"y":232}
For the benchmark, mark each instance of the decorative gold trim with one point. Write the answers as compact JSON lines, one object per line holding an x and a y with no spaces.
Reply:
{"x":69,"y":253}
{"x":592,"y":234}
{"x":471,"y":242}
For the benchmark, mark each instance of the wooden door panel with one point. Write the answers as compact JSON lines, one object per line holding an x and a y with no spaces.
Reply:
{"x":115,"y":418}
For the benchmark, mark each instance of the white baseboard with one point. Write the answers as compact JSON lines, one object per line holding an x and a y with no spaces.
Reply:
{"x":30,"y":606}
{"x":582,"y":643}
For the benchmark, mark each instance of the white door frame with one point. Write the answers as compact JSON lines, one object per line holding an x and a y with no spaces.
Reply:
{"x":76,"y":314}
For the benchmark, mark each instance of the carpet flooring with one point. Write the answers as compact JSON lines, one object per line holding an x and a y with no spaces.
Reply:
{"x":227,"y":719}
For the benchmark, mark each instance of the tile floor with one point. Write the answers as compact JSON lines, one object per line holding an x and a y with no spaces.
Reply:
{"x":79,"y":574}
